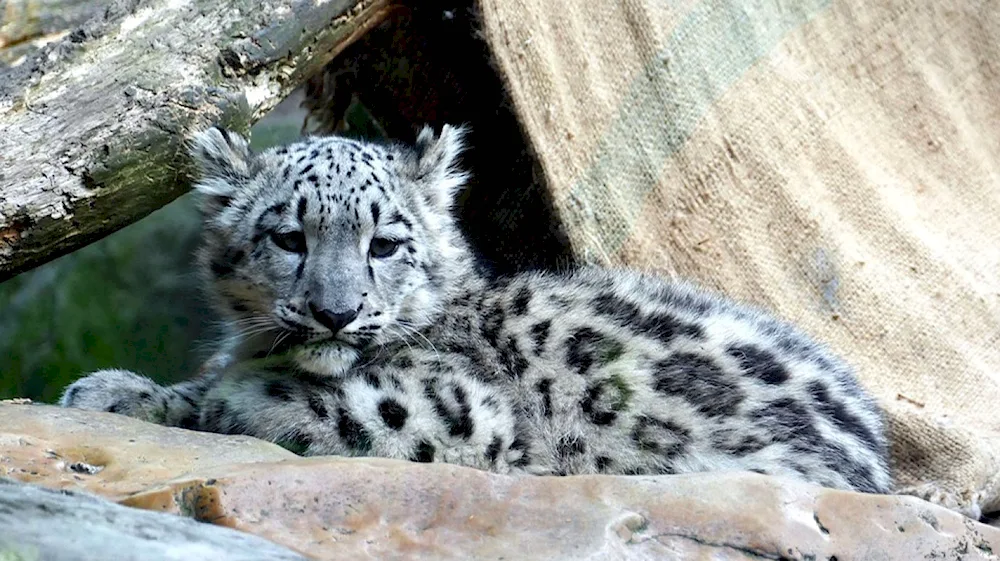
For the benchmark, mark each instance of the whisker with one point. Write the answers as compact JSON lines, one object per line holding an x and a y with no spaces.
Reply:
{"x":277,"y":340}
{"x":378,"y":354}
{"x":403,"y":338}
{"x":417,"y":333}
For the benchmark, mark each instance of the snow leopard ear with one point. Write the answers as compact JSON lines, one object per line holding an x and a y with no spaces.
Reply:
{"x":437,"y":163}
{"x":224,"y":162}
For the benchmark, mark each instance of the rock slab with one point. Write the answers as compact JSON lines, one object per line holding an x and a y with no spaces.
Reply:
{"x":111,"y":455}
{"x":367,"y":508}
{"x":383,"y":509}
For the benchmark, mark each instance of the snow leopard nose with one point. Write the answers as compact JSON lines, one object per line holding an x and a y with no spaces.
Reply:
{"x":334,"y":321}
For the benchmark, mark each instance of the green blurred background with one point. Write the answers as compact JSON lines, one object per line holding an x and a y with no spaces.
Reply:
{"x":129,"y":301}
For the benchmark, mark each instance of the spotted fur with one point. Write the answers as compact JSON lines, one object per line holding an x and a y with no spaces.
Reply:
{"x":368,"y":330}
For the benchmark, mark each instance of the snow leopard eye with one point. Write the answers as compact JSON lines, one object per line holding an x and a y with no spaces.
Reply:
{"x":383,"y":247}
{"x":294,"y":241}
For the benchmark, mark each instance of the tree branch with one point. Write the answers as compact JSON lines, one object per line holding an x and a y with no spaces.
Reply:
{"x":92,"y":127}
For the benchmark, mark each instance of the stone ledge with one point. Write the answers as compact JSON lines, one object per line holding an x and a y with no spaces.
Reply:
{"x":370,"y":508}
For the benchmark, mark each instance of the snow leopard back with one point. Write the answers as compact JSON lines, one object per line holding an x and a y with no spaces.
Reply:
{"x":619,"y":372}
{"x":371,"y":332}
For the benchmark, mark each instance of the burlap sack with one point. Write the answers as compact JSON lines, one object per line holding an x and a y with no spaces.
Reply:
{"x":835,"y":161}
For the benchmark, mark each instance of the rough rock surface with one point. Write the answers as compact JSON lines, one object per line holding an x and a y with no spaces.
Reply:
{"x":111,"y":455}
{"x":335,"y":508}
{"x":38,"y":523}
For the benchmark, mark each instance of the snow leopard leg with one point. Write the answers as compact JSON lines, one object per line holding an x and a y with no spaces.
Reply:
{"x":419,"y":415}
{"x":127,"y":393}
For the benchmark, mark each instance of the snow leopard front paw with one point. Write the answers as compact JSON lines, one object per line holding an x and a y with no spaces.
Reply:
{"x":118,"y":391}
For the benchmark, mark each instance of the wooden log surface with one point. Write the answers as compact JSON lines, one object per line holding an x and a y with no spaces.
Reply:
{"x":93,"y":125}
{"x":24,"y":24}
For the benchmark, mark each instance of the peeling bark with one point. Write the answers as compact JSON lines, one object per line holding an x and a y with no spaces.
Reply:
{"x":93,"y":126}
{"x":25,"y":25}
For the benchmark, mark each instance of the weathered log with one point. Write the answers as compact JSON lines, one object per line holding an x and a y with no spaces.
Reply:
{"x":92,"y":127}
{"x":39,"y":523}
{"x":26,"y":25}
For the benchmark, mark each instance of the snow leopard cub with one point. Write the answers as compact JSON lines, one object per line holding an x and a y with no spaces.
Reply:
{"x":368,"y":330}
